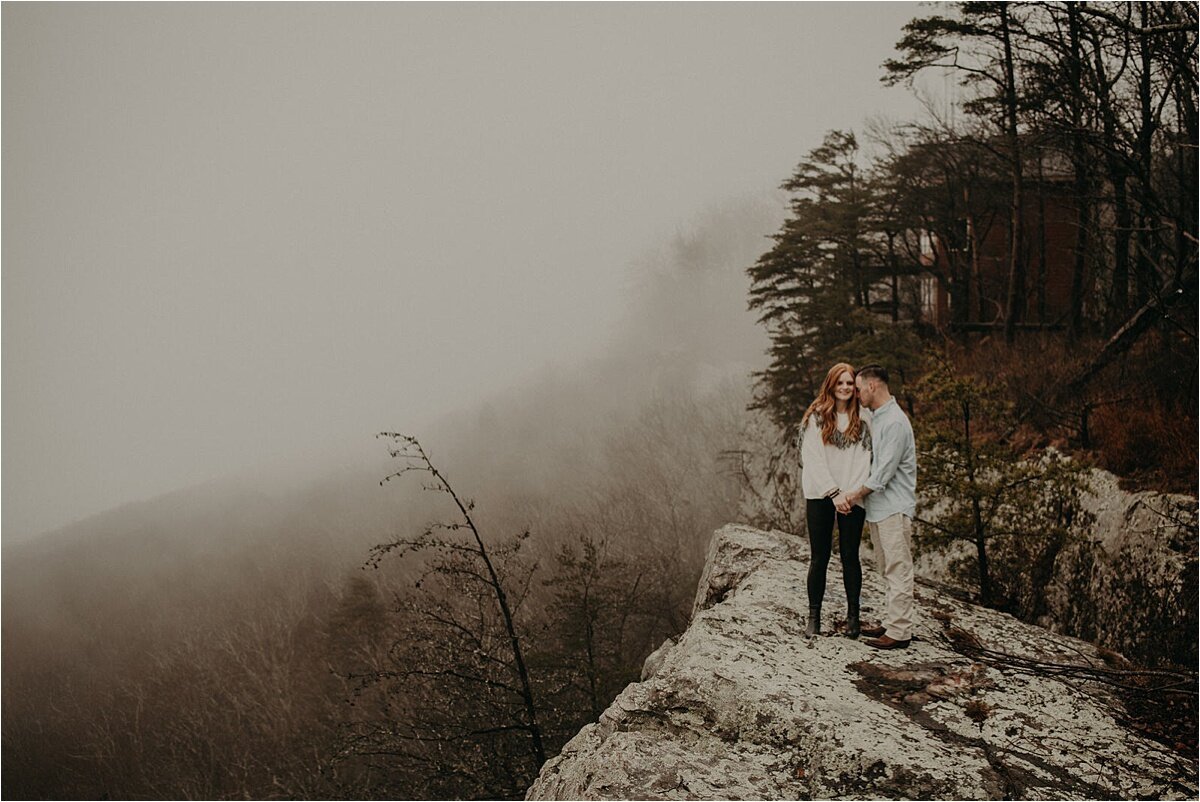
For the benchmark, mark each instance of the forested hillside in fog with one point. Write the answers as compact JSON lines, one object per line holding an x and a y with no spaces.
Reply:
{"x":199,"y":644}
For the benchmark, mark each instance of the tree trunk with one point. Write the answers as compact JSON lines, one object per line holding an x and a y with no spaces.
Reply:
{"x":1119,"y":296}
{"x":1185,"y":217}
{"x":1118,"y":172}
{"x":976,"y":273}
{"x":1040,"y":276}
{"x":1147,"y":237}
{"x":985,"y":579}
{"x":1126,"y":336}
{"x":589,"y":636}
{"x":1184,"y":54}
{"x":891,"y":246}
{"x":980,"y":534}
{"x":1080,"y":167}
{"x":531,"y":723}
{"x":1014,"y":308}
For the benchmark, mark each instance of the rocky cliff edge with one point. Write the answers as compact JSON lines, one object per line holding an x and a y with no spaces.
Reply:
{"x":743,"y":706}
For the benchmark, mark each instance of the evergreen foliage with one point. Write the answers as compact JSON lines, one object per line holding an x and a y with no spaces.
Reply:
{"x":818,"y":270}
{"x":1015,"y":511}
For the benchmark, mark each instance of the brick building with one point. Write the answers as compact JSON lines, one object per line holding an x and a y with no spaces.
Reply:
{"x":1050,"y":242}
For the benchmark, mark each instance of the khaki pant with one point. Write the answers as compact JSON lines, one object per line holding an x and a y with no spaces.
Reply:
{"x":892,"y":540}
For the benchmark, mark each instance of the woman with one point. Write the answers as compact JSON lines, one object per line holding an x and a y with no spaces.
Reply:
{"x":836,"y":455}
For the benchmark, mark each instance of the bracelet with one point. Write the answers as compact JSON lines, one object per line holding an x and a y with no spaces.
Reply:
{"x":837,"y":491}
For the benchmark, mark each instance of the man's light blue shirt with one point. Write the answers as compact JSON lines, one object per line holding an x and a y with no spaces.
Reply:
{"x":893,"y":479}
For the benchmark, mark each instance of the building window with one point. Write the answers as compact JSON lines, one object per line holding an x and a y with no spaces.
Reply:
{"x":927,"y":249}
{"x":929,"y":298}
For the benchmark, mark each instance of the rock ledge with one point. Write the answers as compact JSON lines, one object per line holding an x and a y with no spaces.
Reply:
{"x":744,"y":707}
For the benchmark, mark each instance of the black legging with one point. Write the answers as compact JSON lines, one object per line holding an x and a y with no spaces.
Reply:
{"x":821,"y":515}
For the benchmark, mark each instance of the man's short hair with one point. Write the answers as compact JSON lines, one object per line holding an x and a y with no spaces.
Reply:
{"x":873,"y":372}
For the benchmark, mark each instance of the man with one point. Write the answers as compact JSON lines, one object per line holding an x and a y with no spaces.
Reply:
{"x":890,"y":499}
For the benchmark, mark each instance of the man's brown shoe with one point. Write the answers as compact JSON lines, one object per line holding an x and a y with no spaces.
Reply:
{"x":872,"y":632}
{"x":885,"y":642}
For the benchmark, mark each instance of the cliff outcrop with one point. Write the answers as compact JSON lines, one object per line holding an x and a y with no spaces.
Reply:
{"x":744,"y":706}
{"x":1129,"y":580}
{"x":1125,"y":579}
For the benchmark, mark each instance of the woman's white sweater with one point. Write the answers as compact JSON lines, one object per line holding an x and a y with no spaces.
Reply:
{"x":828,"y":467}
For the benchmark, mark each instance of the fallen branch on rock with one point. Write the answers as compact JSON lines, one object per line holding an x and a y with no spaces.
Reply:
{"x":1161,"y":704}
{"x":1143,"y":682}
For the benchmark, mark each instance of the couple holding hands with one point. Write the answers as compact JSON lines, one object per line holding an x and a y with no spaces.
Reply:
{"x":860,"y":465}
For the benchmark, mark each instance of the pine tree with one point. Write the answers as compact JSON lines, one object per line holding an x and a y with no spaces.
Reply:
{"x":818,"y":270}
{"x":984,"y":491}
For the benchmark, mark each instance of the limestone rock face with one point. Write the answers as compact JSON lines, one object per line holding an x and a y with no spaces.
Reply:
{"x":1131,"y":579}
{"x":743,"y":706}
{"x":1125,"y":580}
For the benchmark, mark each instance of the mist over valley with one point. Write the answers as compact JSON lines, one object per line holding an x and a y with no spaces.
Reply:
{"x":625,"y":447}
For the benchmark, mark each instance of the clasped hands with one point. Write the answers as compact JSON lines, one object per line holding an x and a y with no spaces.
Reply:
{"x":844,"y":502}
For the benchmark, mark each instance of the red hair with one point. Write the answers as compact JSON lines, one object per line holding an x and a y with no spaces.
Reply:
{"x":825,"y":406}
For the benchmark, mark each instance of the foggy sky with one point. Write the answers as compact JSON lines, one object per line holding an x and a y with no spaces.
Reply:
{"x":237,"y":235}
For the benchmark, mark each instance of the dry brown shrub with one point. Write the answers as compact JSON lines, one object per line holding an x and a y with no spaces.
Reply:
{"x":1151,"y":443}
{"x":1140,"y":410}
